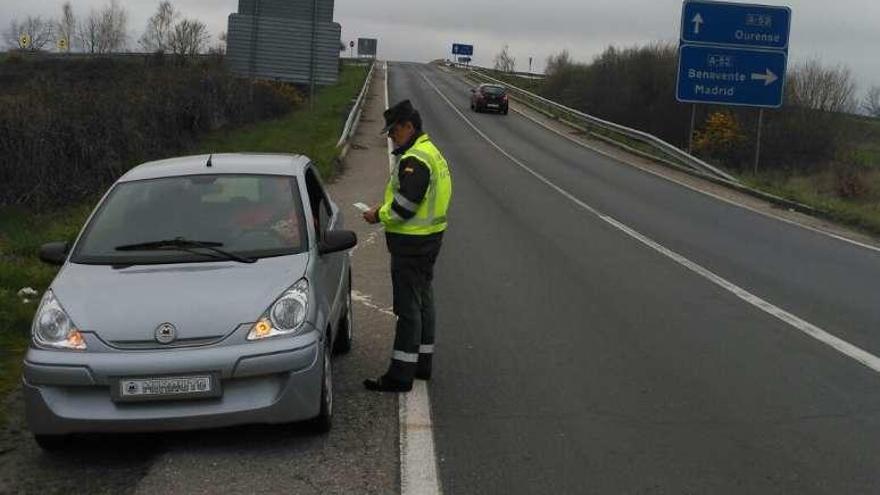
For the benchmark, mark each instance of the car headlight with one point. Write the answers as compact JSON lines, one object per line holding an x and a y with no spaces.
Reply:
{"x":286,"y":315}
{"x":53,"y":327}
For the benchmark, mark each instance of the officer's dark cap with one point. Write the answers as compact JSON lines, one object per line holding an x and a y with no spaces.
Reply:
{"x":399,"y":113}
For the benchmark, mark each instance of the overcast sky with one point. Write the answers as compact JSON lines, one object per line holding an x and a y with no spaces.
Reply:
{"x":839,"y":32}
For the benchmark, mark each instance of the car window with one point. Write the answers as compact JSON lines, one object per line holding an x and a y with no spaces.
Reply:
{"x":255,"y":215}
{"x":318,"y":201}
{"x":493,"y":90}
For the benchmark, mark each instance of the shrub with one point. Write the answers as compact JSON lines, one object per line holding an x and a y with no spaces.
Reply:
{"x":68,"y":128}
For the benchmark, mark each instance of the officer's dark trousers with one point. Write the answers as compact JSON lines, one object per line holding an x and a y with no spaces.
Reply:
{"x":411,"y":278}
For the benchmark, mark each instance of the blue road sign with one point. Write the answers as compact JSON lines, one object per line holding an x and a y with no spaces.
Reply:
{"x":465,"y":50}
{"x":755,"y":26}
{"x":731,"y":76}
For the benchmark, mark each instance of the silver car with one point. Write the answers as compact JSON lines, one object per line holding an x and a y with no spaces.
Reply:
{"x":202,"y":292}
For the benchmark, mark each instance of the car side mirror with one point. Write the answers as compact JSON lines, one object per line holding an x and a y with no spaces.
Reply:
{"x":473,"y":90}
{"x":54,"y":253}
{"x":335,"y":241}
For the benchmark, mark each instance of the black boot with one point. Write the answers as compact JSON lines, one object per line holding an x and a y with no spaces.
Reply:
{"x":386,"y":384}
{"x":423,"y":369}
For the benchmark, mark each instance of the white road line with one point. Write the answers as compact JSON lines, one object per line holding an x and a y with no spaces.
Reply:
{"x":418,"y":466}
{"x":367,"y":300}
{"x":845,"y":348}
{"x":418,"y":461}
{"x":696,"y":189}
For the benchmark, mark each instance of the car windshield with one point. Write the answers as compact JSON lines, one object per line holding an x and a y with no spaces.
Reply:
{"x":493,"y":90}
{"x":248,"y":215}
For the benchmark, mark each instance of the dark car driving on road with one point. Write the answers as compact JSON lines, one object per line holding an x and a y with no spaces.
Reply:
{"x":487,"y":97}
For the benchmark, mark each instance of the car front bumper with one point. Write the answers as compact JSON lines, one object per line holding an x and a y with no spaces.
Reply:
{"x":276,"y":381}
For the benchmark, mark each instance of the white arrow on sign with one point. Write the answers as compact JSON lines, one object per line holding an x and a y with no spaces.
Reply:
{"x":769,"y":77}
{"x":698,"y":21}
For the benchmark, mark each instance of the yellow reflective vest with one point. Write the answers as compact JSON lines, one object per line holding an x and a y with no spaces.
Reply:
{"x":430,"y":216}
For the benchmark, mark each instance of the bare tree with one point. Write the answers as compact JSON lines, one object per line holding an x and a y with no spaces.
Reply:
{"x":114,"y":23}
{"x":88,"y":33}
{"x":189,"y":38}
{"x":829,"y":89}
{"x":34,"y":33}
{"x":160,"y":27}
{"x":66,"y":28}
{"x":558,"y":62}
{"x":104,"y":31}
{"x":871,"y":103}
{"x":504,"y":62}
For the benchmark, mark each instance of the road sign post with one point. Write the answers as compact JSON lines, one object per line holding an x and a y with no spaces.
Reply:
{"x":758,"y":139}
{"x":733,"y":54}
{"x":463,"y":50}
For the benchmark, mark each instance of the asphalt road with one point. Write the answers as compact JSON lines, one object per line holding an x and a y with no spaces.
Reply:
{"x":571,"y":358}
{"x":574,"y":359}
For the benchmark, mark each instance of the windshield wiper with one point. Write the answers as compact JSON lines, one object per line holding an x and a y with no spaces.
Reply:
{"x":189,"y":246}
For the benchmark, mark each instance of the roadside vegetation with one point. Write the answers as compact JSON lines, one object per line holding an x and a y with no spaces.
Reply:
{"x":313,"y":132}
{"x":815,"y":150}
{"x":71,"y":125}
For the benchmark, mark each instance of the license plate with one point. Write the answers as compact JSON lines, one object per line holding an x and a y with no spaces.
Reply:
{"x":492,"y":105}
{"x":167,"y":388}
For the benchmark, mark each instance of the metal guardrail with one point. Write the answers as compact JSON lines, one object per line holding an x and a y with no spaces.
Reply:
{"x":608,"y":130}
{"x":355,"y":115}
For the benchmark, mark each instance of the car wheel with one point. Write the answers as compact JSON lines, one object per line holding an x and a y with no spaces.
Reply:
{"x":345,"y":334}
{"x":504,"y":111}
{"x":52,"y":443}
{"x":324,"y":421}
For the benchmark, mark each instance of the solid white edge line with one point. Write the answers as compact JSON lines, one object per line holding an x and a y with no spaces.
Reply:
{"x":418,"y":464}
{"x":418,"y":461}
{"x":694,"y":188}
{"x":860,"y":355}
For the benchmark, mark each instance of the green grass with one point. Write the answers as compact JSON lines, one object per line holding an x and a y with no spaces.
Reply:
{"x":313,"y":133}
{"x":21,"y":235}
{"x":816,"y":190}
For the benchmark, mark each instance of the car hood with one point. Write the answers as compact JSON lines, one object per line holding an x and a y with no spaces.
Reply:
{"x":204,"y":301}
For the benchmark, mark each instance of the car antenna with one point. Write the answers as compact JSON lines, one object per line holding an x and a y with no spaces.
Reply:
{"x":209,"y":164}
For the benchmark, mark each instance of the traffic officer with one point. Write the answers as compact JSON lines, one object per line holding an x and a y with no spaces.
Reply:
{"x":414,"y":216}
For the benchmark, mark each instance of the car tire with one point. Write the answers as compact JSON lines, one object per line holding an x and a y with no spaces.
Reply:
{"x":504,"y":112}
{"x":345,"y":328}
{"x":52,"y":443}
{"x":323,"y":422}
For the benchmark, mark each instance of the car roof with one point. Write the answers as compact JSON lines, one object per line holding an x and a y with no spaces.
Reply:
{"x":489,"y":85}
{"x":225,"y":163}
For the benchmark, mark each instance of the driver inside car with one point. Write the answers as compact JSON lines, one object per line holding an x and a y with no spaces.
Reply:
{"x":273,"y":213}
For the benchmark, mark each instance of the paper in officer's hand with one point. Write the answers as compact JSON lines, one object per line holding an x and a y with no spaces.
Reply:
{"x":362,"y":207}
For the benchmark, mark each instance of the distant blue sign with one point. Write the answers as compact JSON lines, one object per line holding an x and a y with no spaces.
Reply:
{"x":465,"y":50}
{"x":755,"y":26}
{"x":731,"y":76}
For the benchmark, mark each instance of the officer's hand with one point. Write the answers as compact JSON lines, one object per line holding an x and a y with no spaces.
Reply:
{"x":371,"y":216}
